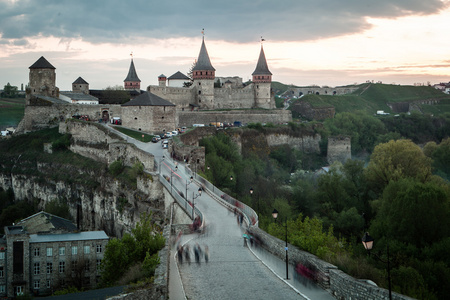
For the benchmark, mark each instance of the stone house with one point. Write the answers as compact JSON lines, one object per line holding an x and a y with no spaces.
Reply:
{"x":43,"y":253}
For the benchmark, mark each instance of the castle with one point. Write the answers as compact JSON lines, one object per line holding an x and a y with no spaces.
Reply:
{"x":160,"y":108}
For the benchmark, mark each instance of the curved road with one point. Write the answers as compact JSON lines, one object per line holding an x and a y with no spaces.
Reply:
{"x":232,"y":271}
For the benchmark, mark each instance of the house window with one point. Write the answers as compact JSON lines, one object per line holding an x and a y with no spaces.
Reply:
{"x":74,"y":265}
{"x":37,"y":269}
{"x":36,"y":251}
{"x":62,"y":250}
{"x":49,"y":284}
{"x":36,"y":284}
{"x":2,"y":289}
{"x":62,"y":266}
{"x":99,"y":248}
{"x":49,"y":251}
{"x":49,"y":268}
{"x":2,"y":274}
{"x":99,"y":262}
{"x":87,"y":249}
{"x":74,"y":250}
{"x":87,"y":266}
{"x":2,"y":255}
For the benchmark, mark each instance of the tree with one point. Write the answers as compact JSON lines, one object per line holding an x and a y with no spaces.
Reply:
{"x":413,"y":212}
{"x":10,"y":91}
{"x":395,"y":160}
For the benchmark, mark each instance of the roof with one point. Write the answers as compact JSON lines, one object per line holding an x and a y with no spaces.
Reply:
{"x":68,"y":237}
{"x":44,"y":222}
{"x":114,"y":96}
{"x":203,"y":62}
{"x":179,"y":75}
{"x":50,"y":99}
{"x":132,"y":75}
{"x":162,"y":76}
{"x":80,"y":81}
{"x":148,"y":99}
{"x":42,"y":63}
{"x":78,"y":96}
{"x":261,"y":66}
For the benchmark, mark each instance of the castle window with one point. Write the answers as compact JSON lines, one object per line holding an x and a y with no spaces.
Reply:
{"x":36,"y":251}
{"x":2,"y":274}
{"x":199,"y":83}
{"x":135,"y":118}
{"x":199,"y":92}
{"x":162,"y":117}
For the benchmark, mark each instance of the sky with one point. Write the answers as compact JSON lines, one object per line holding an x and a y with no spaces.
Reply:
{"x":322,"y":42}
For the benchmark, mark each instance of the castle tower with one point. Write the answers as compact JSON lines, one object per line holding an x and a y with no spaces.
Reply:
{"x":262,"y":80}
{"x":204,"y":74}
{"x":132,"y":82}
{"x":43,"y":79}
{"x":162,"y":80}
{"x":80,"y":86}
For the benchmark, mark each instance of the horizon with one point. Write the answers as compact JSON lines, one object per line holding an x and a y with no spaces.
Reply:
{"x":305,"y":43}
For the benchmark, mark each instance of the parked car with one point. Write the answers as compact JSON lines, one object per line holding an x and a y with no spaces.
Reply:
{"x":168,"y":135}
{"x":175,"y":132}
{"x":165,"y":144}
{"x":155,"y":139}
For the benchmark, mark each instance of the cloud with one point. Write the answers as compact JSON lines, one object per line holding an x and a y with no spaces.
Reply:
{"x":120,"y":21}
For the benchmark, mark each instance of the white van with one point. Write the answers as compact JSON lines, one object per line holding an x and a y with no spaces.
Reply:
{"x":175,"y":132}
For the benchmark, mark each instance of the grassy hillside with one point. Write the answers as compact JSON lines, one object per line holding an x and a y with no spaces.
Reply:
{"x":11,"y":111}
{"x":373,"y":97}
{"x":279,"y":88}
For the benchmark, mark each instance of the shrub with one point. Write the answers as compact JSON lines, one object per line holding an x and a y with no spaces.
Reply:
{"x":116,"y":167}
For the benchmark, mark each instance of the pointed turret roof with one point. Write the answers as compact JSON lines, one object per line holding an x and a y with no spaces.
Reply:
{"x":80,"y":81}
{"x":203,"y":62}
{"x":42,"y":63}
{"x":132,"y":75}
{"x":261,"y":66}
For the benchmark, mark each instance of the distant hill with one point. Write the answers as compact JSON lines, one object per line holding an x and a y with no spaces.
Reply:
{"x":372,"y":97}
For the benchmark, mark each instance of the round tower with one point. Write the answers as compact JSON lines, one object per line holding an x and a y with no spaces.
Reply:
{"x":203,"y":75}
{"x":43,"y":79}
{"x":262,"y":80}
{"x":132,"y":82}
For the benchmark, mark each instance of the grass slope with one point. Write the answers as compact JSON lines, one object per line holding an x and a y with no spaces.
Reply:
{"x":12,"y":111}
{"x":373,"y":97}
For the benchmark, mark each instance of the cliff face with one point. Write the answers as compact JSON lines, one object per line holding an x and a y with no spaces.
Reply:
{"x":106,"y":204}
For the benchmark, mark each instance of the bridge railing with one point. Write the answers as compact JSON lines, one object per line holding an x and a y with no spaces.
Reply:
{"x":178,"y":195}
{"x":250,"y":215}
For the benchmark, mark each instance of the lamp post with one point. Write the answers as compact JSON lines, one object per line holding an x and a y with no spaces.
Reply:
{"x":160,"y":164}
{"x":367,"y":241}
{"x":251,"y":194}
{"x":275,"y":215}
{"x":188,"y":183}
{"x":193,"y":201}
{"x":212,"y":179}
{"x":171,"y":176}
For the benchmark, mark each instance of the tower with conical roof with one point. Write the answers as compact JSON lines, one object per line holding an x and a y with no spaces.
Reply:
{"x":262,"y":80}
{"x":203,"y":75}
{"x":43,"y":79}
{"x":80,"y":86}
{"x":132,"y":82}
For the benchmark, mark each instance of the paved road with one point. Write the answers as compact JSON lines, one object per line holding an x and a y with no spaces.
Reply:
{"x":233,"y":271}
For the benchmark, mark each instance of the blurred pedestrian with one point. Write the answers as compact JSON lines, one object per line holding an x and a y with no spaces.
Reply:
{"x":206,"y":253}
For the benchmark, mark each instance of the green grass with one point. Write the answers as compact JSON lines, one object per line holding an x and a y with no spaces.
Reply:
{"x":12,"y":111}
{"x":373,"y":97}
{"x":135,"y":134}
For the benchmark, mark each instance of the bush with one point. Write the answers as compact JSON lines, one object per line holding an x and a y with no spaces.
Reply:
{"x":116,"y":167}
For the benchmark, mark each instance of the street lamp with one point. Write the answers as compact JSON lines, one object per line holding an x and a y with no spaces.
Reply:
{"x":193,"y":200}
{"x":275,"y":215}
{"x":367,"y":241}
{"x":160,"y":164}
{"x":188,"y":183}
{"x":251,"y":194}
{"x":171,"y":176}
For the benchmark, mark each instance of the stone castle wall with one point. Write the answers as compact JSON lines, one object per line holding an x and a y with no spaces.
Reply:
{"x":306,"y":143}
{"x":179,"y":96}
{"x":97,"y":142}
{"x":234,"y":98}
{"x":244,"y":116}
{"x":339,"y":149}
{"x":305,"y":110}
{"x":321,"y":90}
